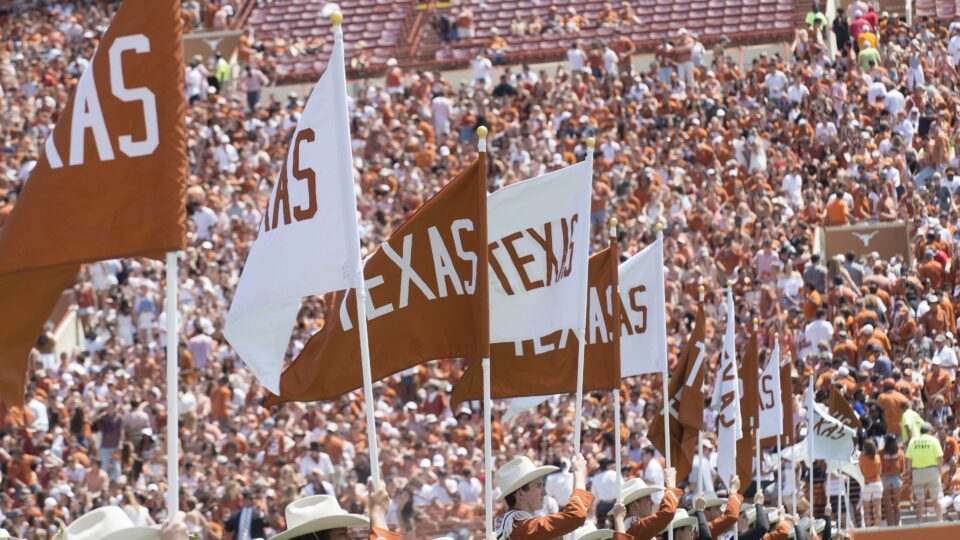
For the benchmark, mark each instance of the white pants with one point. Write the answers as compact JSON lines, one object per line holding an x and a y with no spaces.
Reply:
{"x":685,"y":72}
{"x":948,"y":500}
{"x":915,"y":78}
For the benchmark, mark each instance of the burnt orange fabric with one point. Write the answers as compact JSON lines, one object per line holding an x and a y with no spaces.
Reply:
{"x":870,"y":467}
{"x":570,"y":518}
{"x":378,"y":534}
{"x":113,"y":174}
{"x":650,"y":526}
{"x":555,"y":371}
{"x":683,"y":437}
{"x":729,"y":518}
{"x":454,"y":324}
{"x":749,"y":410}
{"x":841,"y":410}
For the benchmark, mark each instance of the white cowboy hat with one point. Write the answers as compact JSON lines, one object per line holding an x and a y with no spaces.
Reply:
{"x":712,"y":500}
{"x":108,"y":523}
{"x":636,"y":489}
{"x":315,"y":514}
{"x":518,"y":473}
{"x":589,"y":531}
{"x":680,"y":520}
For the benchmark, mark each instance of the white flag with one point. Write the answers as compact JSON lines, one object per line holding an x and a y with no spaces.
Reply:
{"x":729,"y":423}
{"x":833,"y":441}
{"x":643,"y":338}
{"x":771,"y":402}
{"x":539,"y":234}
{"x":308,"y":242}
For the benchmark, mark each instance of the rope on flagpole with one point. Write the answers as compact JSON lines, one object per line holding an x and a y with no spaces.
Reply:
{"x":581,"y":343}
{"x":487,"y":408}
{"x":336,"y":19}
{"x":173,"y":380}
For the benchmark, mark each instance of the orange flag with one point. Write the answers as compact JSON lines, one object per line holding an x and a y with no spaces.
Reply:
{"x":110,"y":182}
{"x":549,"y":365}
{"x":749,"y":411}
{"x":426,"y":298}
{"x":686,"y":403}
{"x":841,"y":410}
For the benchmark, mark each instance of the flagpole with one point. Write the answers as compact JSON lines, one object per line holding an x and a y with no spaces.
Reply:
{"x":736,"y":381}
{"x":810,"y":446}
{"x":581,"y":341}
{"x":753,"y":420}
{"x":487,"y":408}
{"x":173,"y":371}
{"x":616,"y":393}
{"x":701,"y":293}
{"x":793,"y":431}
{"x":662,"y":301}
{"x":336,"y":20}
{"x":776,"y":345}
{"x":487,"y":450}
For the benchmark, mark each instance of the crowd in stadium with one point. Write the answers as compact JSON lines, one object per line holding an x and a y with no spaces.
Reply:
{"x":741,"y":164}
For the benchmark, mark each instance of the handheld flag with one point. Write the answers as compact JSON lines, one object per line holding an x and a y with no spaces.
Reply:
{"x":729,"y":420}
{"x":308,"y":242}
{"x":110,"y":182}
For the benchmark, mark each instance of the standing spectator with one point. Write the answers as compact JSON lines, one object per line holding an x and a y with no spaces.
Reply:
{"x":872,"y":492}
{"x":926,"y":459}
{"x":252,"y":83}
{"x":841,"y":31}
{"x":892,"y":468}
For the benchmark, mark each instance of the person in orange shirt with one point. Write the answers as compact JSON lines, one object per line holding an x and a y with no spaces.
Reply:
{"x":642,"y":521}
{"x":872,"y":492}
{"x":837,"y":212}
{"x":938,"y":381}
{"x":893,"y":464}
{"x":521,"y":486}
{"x":220,"y":401}
{"x":890,"y":400}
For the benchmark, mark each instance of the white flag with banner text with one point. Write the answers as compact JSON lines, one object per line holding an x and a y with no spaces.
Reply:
{"x":833,"y":441}
{"x":771,"y":400}
{"x":729,"y":423}
{"x":539,"y":235}
{"x":308,"y":242}
{"x":643,"y":330}
{"x":642,"y":319}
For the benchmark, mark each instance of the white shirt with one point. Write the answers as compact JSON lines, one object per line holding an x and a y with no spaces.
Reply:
{"x":470,"y":490}
{"x":894,"y":102}
{"x":480,"y":68}
{"x":576,"y":59}
{"x":954,"y":49}
{"x":227,"y":157}
{"x":653,"y":473}
{"x":797,"y":92}
{"x":41,"y":422}
{"x":205,"y":219}
{"x":604,"y":485}
{"x":817,"y":331}
{"x":559,"y":486}
{"x":876,"y":92}
{"x":308,"y":464}
{"x":792,"y":188}
{"x":948,"y":361}
{"x":609,"y":60}
{"x":775,"y":83}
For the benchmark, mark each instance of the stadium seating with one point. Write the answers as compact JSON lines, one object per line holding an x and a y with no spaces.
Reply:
{"x":379,"y":24}
{"x":743,"y":22}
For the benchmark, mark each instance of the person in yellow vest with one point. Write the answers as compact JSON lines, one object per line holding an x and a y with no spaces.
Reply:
{"x":925,"y":457}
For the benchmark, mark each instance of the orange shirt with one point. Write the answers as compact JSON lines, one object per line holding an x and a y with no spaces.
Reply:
{"x":890,"y":403}
{"x":870,"y":467}
{"x":837,"y":212}
{"x":219,"y":399}
{"x":892,"y":465}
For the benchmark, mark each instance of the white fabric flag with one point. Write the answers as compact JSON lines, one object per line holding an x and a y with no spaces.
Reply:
{"x":771,"y":402}
{"x":308,"y":242}
{"x":729,"y":423}
{"x":833,"y":442}
{"x":643,"y":338}
{"x":539,"y":234}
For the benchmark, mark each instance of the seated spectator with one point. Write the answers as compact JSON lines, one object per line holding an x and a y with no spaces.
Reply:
{"x":497,"y":47}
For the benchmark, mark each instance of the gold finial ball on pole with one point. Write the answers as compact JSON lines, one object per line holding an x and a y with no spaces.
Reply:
{"x":336,"y":18}
{"x":482,"y":132}
{"x":659,"y":227}
{"x":776,"y":335}
{"x":702,"y":290}
{"x":729,"y":283}
{"x":613,"y":222}
{"x":591,"y":142}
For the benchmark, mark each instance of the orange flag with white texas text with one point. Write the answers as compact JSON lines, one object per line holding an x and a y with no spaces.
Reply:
{"x":549,"y":365}
{"x":427,"y":298}
{"x":686,"y":402}
{"x":110,"y":182}
{"x":749,"y":411}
